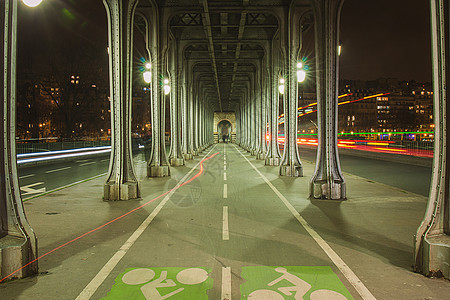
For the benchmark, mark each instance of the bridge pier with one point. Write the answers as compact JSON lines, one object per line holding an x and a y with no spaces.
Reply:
{"x":18,"y":244}
{"x":291,"y":164}
{"x":121,"y":182}
{"x":327,"y":181}
{"x":432,"y":240}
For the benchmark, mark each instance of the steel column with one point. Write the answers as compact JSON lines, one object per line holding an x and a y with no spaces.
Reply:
{"x":327,"y":181}
{"x":432,"y":241}
{"x":121,"y":182}
{"x":18,"y":244}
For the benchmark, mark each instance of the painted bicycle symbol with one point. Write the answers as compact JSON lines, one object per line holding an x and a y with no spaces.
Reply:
{"x":150,"y":290}
{"x":298,"y":289}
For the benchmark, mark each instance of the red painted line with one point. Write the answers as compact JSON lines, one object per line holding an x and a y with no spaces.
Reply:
{"x":116,"y":219}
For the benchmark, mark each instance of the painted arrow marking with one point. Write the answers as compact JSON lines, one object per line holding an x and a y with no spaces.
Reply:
{"x":28,"y":189}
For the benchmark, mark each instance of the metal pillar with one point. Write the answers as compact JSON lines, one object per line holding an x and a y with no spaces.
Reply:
{"x":18,"y":244}
{"x":185,"y":119}
{"x":158,"y":165}
{"x":432,"y":241}
{"x":175,"y":155}
{"x":327,"y":181}
{"x":273,"y":154}
{"x":121,"y":182}
{"x":261,"y":154}
{"x":291,"y":164}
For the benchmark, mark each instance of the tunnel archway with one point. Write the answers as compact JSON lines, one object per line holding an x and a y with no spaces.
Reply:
{"x":224,"y":129}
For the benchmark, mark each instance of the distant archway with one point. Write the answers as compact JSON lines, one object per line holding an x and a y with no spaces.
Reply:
{"x":224,"y":129}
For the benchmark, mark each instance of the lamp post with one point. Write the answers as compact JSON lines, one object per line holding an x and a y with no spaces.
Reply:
{"x":148,"y":79}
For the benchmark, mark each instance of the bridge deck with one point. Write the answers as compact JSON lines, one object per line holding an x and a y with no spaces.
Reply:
{"x":223,"y":235}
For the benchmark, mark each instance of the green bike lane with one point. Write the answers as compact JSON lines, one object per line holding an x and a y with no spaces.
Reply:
{"x":225,"y":235}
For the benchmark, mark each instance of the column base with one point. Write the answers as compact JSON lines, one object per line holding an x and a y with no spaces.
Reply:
{"x":272,"y":161}
{"x":435,"y":256}
{"x":253,"y":152}
{"x":320,"y":190}
{"x":194,"y":152}
{"x":291,"y":170}
{"x":158,"y":171}
{"x":14,"y":254}
{"x":125,"y":191}
{"x":188,"y":156}
{"x":176,"y":162}
{"x":260,"y":156}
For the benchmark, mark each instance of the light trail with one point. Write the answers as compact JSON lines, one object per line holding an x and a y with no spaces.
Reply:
{"x":114,"y":220}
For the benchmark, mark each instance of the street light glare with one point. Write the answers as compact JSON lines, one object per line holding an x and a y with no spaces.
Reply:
{"x":299,"y":65}
{"x":166,"y":81}
{"x":301,"y":75}
{"x":147,"y":76}
{"x":166,"y":90}
{"x":32,"y":3}
{"x":148,"y":66}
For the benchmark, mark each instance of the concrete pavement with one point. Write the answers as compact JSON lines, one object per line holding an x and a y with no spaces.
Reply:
{"x":238,"y":230}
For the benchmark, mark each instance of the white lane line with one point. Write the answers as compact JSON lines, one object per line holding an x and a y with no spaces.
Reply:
{"x":225,"y":190}
{"x":226,"y":283}
{"x":82,"y":161}
{"x":346,"y":271}
{"x":90,"y":289}
{"x":57,"y":170}
{"x":225,"y":167}
{"x":26,"y":176}
{"x":105,"y":159}
{"x":225,"y":176}
{"x":89,"y":163}
{"x":225,"y":232}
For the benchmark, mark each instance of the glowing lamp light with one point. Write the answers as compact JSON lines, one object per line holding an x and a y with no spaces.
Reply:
{"x":32,"y":3}
{"x":301,"y":75}
{"x":166,"y":87}
{"x":147,"y":76}
{"x":148,"y":66}
{"x":281,"y":86}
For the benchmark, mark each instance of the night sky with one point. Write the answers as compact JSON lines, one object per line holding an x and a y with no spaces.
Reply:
{"x":382,"y":38}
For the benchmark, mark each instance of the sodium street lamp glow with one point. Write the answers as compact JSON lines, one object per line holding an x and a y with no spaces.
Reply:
{"x":32,"y":3}
{"x":166,"y":87}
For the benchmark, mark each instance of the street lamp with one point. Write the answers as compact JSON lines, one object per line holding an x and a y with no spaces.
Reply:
{"x":32,"y":3}
{"x":166,"y":86}
{"x":301,"y":74}
{"x":148,"y":74}
{"x":281,"y":86}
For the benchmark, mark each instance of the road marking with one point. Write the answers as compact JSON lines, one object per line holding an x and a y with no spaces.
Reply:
{"x":26,"y":176}
{"x":57,"y":170}
{"x":225,"y":167}
{"x":225,"y":232}
{"x":90,"y":289}
{"x":224,"y":162}
{"x":105,"y":159}
{"x":89,"y":163}
{"x":225,"y":190}
{"x":224,"y":176}
{"x":226,"y":283}
{"x":346,"y":271}
{"x":28,"y":189}
{"x":82,"y":161}
{"x":65,"y":186}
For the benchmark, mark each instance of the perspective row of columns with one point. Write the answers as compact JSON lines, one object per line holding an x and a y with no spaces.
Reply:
{"x":258,"y":111}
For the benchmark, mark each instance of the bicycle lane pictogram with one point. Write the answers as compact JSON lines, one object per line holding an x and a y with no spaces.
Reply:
{"x":162,"y":283}
{"x":293,"y":282}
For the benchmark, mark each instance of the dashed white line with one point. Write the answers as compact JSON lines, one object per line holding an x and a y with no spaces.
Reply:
{"x":225,"y":190}
{"x":105,"y":159}
{"x":225,"y":167}
{"x":26,"y":176}
{"x":225,"y":176}
{"x":225,"y":232}
{"x":343,"y":267}
{"x":57,"y":170}
{"x":226,"y":283}
{"x":89,"y":163}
